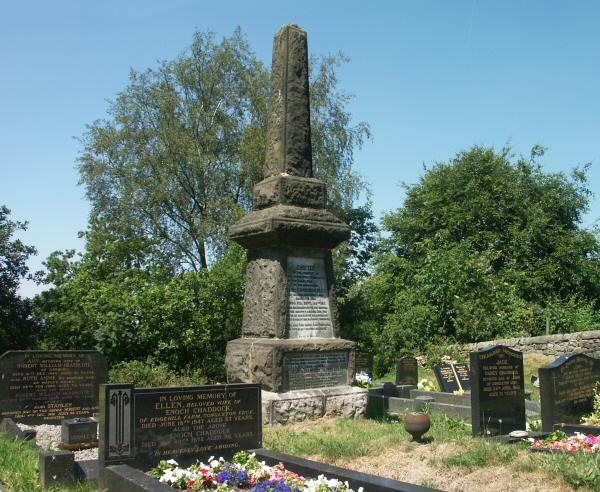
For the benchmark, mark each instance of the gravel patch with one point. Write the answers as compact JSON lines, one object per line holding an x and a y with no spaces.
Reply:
{"x":48,"y":437}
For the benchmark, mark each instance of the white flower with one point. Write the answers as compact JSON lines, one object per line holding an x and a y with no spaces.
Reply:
{"x":172,"y":462}
{"x":214,"y":463}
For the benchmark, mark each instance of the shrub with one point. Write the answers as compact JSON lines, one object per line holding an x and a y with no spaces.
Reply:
{"x":150,"y":374}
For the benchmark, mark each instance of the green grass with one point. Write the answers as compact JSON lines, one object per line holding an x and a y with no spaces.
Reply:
{"x":531,"y":363}
{"x":19,"y":468}
{"x":481,"y":453}
{"x":347,"y":438}
{"x":340,"y":438}
{"x":577,"y":469}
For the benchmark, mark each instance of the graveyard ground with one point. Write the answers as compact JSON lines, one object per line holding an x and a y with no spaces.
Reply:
{"x":451,"y":460}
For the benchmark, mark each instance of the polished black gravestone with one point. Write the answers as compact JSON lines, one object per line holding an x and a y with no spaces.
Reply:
{"x":567,"y":389}
{"x":497,"y":391}
{"x":452,"y":377}
{"x":363,"y":362}
{"x":47,"y":386}
{"x":141,"y":427}
{"x":407,"y":371}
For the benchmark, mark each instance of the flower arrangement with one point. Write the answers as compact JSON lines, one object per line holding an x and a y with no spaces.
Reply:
{"x":426,"y":385}
{"x":363,"y":380}
{"x":244,"y":472}
{"x":560,"y":441}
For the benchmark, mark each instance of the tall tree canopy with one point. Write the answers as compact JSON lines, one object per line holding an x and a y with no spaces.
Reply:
{"x":17,"y":329}
{"x":483,"y":247}
{"x":184,"y":145}
{"x":166,"y":173}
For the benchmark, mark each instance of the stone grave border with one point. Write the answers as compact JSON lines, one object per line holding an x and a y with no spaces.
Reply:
{"x":124,"y":478}
{"x":391,"y":398}
{"x":571,"y":429}
{"x":56,"y":467}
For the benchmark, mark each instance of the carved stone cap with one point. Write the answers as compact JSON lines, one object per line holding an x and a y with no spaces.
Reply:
{"x":289,"y":148}
{"x":285,"y":225}
{"x":290,"y":190}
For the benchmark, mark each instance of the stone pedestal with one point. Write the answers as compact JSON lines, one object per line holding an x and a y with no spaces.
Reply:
{"x":290,"y":343}
{"x":287,"y":365}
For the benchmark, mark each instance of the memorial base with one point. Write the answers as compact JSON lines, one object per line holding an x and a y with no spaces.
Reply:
{"x":281,"y":365}
{"x":301,"y":405}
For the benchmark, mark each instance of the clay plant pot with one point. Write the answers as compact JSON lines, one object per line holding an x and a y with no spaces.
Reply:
{"x":417,"y":424}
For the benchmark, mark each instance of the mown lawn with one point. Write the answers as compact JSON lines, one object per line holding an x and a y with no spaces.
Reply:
{"x":450,"y":460}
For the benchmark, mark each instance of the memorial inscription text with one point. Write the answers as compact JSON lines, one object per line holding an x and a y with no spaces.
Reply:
{"x":309,"y":314}
{"x":314,"y":370}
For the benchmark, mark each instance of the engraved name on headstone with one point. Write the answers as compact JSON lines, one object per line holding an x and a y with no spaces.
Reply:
{"x":567,"y":389}
{"x":363,"y":362}
{"x":407,"y":371}
{"x":309,"y":314}
{"x":47,"y":386}
{"x":497,"y":391}
{"x":144,"y":426}
{"x":314,"y":370}
{"x":452,"y":377}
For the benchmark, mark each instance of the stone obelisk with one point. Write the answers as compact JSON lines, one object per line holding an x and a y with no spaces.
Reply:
{"x":290,"y":342}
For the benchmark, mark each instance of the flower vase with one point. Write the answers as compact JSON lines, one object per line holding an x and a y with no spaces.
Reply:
{"x":417,"y":424}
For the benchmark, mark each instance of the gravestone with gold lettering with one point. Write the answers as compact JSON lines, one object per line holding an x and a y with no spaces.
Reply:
{"x":567,"y":389}
{"x":497,"y":391}
{"x":142,"y":426}
{"x":290,"y":333}
{"x":47,"y":386}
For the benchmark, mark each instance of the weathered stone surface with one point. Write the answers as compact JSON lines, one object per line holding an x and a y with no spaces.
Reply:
{"x":286,"y":225}
{"x":349,"y":405}
{"x":288,"y":137}
{"x":290,"y":190}
{"x":267,"y":299}
{"x":297,"y":406}
{"x":291,"y":319}
{"x":586,"y":342}
{"x":261,"y":360}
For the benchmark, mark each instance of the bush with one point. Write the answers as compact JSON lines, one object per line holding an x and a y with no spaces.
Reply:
{"x":484,"y":247}
{"x":150,"y":374}
{"x":182,"y":321}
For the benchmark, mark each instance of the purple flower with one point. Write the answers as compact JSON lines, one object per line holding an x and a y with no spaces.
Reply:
{"x":274,"y":486}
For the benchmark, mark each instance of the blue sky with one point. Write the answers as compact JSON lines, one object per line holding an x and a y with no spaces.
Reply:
{"x":431,"y":77}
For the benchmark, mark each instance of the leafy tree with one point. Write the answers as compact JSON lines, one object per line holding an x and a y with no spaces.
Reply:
{"x":132,"y":314}
{"x":177,"y":159}
{"x":167,"y":173}
{"x":17,"y":329}
{"x":484,"y":247}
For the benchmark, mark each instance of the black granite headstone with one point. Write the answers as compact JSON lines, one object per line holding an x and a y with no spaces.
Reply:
{"x":567,"y":389}
{"x":47,"y":386}
{"x":79,"y":431}
{"x":363,"y":362}
{"x":143,"y":426}
{"x":452,"y":377}
{"x":497,"y":391}
{"x":407,"y":371}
